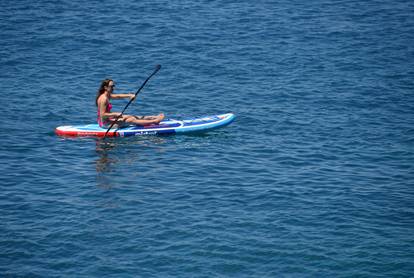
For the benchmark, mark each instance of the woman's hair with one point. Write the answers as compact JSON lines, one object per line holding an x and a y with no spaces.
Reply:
{"x":102,"y":89}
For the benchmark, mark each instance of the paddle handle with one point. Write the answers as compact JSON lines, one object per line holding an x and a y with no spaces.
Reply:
{"x":157,"y":68}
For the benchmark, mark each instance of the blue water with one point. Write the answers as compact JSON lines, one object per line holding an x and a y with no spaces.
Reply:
{"x":313,"y":179}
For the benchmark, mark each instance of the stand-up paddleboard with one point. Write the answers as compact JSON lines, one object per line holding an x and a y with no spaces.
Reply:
{"x":167,"y":126}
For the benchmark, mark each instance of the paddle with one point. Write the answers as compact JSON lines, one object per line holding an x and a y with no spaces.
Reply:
{"x":157,"y":68}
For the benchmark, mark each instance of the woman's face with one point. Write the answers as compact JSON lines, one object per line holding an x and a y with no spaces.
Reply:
{"x":111,"y":86}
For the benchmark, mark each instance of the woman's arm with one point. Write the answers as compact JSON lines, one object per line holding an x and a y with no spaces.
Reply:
{"x":102,"y":104}
{"x":110,"y":114}
{"x":119,"y":96}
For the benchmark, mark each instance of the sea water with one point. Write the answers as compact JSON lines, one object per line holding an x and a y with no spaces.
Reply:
{"x":313,"y":179}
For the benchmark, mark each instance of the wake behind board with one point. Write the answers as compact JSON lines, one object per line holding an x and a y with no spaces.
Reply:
{"x":168,"y":126}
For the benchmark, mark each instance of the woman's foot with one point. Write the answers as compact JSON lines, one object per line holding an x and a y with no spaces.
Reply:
{"x":159,"y":118}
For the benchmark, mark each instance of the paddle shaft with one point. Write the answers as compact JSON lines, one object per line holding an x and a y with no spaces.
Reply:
{"x":157,"y":68}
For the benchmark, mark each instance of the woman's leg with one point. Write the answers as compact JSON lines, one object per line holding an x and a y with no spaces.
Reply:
{"x":144,"y":117}
{"x":129,"y":119}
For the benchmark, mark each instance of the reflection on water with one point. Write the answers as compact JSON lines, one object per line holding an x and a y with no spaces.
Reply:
{"x":104,"y":162}
{"x":113,"y":154}
{"x":133,"y":157}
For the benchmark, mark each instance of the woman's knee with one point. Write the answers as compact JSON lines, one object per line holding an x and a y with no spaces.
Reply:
{"x":129,"y":119}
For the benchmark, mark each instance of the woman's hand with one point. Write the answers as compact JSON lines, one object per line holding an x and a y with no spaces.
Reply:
{"x":132,"y":97}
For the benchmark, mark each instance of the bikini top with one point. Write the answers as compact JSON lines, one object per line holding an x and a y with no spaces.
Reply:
{"x":107,"y":110}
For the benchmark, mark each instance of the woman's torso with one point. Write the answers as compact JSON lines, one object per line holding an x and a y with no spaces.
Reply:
{"x":103,"y":100}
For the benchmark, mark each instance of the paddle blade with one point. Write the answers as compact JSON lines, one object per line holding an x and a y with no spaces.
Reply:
{"x":157,"y":67}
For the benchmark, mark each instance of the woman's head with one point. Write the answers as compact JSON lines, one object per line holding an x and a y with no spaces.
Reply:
{"x":107,"y":85}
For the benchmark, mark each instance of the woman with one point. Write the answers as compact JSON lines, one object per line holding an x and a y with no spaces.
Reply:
{"x":106,"y":117}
